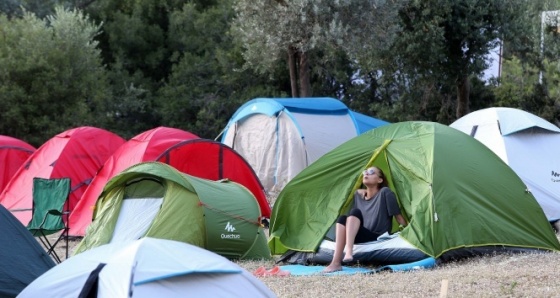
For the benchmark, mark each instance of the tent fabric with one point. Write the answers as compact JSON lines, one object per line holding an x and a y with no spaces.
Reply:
{"x":215,"y":161}
{"x":365,"y":123}
{"x":515,"y":135}
{"x":137,"y":213}
{"x":13,"y":153}
{"x":77,"y":153}
{"x":279,"y":137}
{"x":221,"y":216}
{"x":146,"y":146}
{"x":149,"y":267}
{"x":455,"y":193}
{"x":22,"y":257}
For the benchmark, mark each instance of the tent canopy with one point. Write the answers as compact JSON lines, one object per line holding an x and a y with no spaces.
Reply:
{"x":456,"y":194}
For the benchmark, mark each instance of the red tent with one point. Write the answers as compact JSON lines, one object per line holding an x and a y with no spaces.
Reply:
{"x":13,"y":153}
{"x":214,"y":160}
{"x":76,"y":153}
{"x":146,"y":146}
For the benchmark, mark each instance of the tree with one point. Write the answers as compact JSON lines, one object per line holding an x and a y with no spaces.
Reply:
{"x":51,"y":75}
{"x":530,"y":74}
{"x":10,"y":7}
{"x":43,"y":8}
{"x":448,"y":40}
{"x":206,"y":84}
{"x":270,"y":30}
{"x":519,"y":87}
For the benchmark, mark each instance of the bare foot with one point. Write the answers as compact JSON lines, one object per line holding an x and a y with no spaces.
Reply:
{"x":348,"y":259}
{"x":332,"y":268}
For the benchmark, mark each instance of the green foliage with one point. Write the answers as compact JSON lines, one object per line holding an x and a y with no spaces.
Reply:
{"x":520,"y":87}
{"x":172,"y":63}
{"x":444,"y":43}
{"x":10,"y":7}
{"x":267,"y":28}
{"x":297,"y":31}
{"x":51,"y":76}
{"x":191,"y":63}
{"x":207,"y":83}
{"x":135,"y":51}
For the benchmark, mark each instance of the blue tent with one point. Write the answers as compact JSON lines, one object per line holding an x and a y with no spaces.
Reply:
{"x":22,"y":257}
{"x":279,"y":137}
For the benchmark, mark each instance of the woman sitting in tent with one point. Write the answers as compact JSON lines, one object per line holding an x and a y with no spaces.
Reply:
{"x":370,"y":217}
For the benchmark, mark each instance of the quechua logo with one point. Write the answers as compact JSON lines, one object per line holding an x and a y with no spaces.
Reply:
{"x":230,"y":229}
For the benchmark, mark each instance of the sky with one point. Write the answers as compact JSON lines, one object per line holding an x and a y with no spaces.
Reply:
{"x":494,"y":60}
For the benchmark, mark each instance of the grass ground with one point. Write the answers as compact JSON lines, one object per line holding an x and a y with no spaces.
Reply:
{"x":503,"y":275}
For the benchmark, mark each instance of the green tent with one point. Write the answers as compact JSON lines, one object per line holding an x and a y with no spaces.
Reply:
{"x":156,"y":200}
{"x":456,"y":193}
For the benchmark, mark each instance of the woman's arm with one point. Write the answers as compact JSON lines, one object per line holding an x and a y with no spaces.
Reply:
{"x":400,"y":219}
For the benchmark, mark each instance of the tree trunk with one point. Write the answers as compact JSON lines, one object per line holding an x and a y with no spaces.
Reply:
{"x":304,"y":75}
{"x":463,"y":93}
{"x":293,"y":70}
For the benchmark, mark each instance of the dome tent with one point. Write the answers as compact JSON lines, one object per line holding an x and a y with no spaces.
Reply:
{"x":147,"y":267}
{"x":459,"y":197}
{"x":146,"y":146}
{"x":23,"y":259}
{"x":153,"y":199}
{"x":514,"y":135}
{"x":77,"y":153}
{"x":180,"y":149}
{"x":13,"y":153}
{"x":279,"y":137}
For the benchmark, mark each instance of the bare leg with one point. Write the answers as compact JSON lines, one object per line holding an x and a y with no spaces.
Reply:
{"x":336,"y":263}
{"x":352,"y":226}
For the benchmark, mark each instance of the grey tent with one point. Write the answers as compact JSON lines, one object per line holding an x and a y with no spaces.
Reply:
{"x":22,"y":257}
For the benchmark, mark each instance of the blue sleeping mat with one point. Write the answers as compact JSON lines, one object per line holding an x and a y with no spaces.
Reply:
{"x":301,"y":270}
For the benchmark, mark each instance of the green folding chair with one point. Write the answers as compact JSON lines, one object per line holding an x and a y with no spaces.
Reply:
{"x":50,"y":205}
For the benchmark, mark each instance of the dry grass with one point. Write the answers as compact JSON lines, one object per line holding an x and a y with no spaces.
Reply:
{"x":504,"y":275}
{"x":520,"y":275}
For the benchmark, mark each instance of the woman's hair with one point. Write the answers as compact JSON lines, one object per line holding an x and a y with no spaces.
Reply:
{"x":381,"y":175}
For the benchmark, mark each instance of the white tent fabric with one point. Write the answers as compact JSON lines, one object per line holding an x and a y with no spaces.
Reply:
{"x":527,"y":143}
{"x":149,"y":267}
{"x":267,"y":141}
{"x":281,"y":137}
{"x":138,"y":213}
{"x":278,"y":150}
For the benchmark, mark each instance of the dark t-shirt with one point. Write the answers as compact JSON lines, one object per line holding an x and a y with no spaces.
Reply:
{"x":378,"y":212}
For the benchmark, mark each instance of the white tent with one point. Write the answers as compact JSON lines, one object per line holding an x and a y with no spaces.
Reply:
{"x":527,"y":143}
{"x":279,"y":137}
{"x":147,"y":267}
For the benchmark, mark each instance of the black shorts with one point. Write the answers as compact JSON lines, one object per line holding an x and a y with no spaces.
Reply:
{"x":363,"y":235}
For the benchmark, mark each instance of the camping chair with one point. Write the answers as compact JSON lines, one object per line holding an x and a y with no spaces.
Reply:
{"x":50,"y":204}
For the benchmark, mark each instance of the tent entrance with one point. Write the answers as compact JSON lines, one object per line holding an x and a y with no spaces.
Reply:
{"x":141,"y":204}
